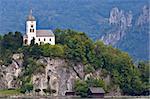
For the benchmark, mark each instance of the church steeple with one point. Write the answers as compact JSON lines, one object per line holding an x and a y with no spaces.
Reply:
{"x":30,"y":16}
{"x":30,"y":27}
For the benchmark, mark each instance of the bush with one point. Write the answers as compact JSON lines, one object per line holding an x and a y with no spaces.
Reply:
{"x":81,"y":88}
{"x":27,"y":87}
{"x":52,"y":50}
{"x":89,"y":69}
{"x":94,"y":82}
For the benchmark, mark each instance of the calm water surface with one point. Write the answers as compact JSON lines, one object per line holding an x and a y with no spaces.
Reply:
{"x":50,"y":97}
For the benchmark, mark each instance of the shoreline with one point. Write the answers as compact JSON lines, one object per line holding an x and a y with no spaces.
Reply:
{"x":69,"y":97}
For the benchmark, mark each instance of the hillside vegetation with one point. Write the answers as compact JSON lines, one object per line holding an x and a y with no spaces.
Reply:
{"x":89,"y":16}
{"x":77,"y":47}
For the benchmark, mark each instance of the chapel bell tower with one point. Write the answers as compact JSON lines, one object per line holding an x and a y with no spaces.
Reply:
{"x":30,"y":27}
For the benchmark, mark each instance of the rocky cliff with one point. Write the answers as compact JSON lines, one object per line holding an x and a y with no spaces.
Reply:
{"x":10,"y":73}
{"x":144,"y":16}
{"x":58,"y":74}
{"x":122,"y":22}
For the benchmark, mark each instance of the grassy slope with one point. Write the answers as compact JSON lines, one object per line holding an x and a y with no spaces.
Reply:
{"x":9,"y":92}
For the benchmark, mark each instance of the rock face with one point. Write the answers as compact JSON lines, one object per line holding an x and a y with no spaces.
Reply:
{"x":8,"y":74}
{"x":120,"y":21}
{"x":58,"y":76}
{"x":144,"y":16}
{"x":120,"y":17}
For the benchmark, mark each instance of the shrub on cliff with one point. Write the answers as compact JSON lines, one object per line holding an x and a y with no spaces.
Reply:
{"x":52,"y":50}
{"x":81,"y":88}
{"x":9,"y":44}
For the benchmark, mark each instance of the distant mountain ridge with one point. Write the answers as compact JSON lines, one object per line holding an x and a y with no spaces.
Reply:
{"x":129,"y":32}
{"x":89,"y":16}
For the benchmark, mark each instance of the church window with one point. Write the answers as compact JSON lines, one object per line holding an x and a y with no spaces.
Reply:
{"x":25,"y":41}
{"x":44,"y":39}
{"x":31,"y":30}
{"x":40,"y":43}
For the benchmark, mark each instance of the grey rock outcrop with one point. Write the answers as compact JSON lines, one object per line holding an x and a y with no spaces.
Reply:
{"x":58,"y":76}
{"x":11,"y":72}
{"x":144,"y":16}
{"x":121,"y":21}
{"x":119,"y":17}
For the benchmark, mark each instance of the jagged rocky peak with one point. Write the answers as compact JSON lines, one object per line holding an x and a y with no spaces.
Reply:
{"x":129,"y":18}
{"x":120,"y":17}
{"x":144,"y":16}
{"x":114,"y":16}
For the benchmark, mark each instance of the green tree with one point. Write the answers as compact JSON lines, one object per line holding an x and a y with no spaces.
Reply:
{"x":81,"y":88}
{"x":52,"y":50}
{"x":144,"y":70}
{"x":9,"y":44}
{"x":88,"y":69}
{"x":35,"y":51}
{"x":32,"y":41}
{"x":95,"y":82}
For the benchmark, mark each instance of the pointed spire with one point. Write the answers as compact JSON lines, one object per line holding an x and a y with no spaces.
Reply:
{"x":30,"y":12}
{"x":30,"y":17}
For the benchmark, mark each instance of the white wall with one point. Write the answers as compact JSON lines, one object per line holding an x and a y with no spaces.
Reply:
{"x":30,"y":34}
{"x":47,"y":40}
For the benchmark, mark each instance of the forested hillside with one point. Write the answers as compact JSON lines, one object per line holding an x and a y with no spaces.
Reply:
{"x":76,"y":56}
{"x":90,"y":16}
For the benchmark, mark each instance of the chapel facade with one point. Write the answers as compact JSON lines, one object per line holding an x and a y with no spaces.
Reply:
{"x":39,"y":36}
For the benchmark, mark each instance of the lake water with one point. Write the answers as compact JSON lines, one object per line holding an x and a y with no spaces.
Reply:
{"x":51,"y":97}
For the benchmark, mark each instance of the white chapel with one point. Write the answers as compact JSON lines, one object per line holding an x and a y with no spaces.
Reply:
{"x":39,"y":36}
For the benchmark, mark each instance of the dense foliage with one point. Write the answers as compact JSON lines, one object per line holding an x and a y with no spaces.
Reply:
{"x":81,"y":88}
{"x":90,"y":16}
{"x":9,"y":43}
{"x":77,"y":47}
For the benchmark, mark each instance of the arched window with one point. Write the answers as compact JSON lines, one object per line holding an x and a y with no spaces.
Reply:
{"x":40,"y":43}
{"x":25,"y":41}
{"x":44,"y":39}
{"x":50,"y":39}
{"x":39,"y":39}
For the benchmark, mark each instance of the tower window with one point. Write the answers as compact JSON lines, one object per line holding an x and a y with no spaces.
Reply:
{"x":31,"y":30}
{"x":44,"y":39}
{"x":32,"y":26}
